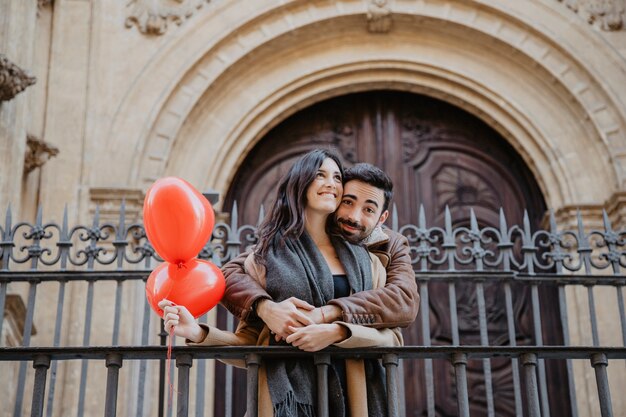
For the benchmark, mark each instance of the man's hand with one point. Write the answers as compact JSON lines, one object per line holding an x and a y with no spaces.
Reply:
{"x":317,"y":337}
{"x":281,"y":317}
{"x":324,"y":314}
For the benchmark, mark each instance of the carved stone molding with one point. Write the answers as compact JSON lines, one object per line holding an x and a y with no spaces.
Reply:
{"x":109,"y":201}
{"x":152,"y":16}
{"x":605,"y":14}
{"x":38,"y":153}
{"x":615,"y":207}
{"x":13,"y":79}
{"x":14,"y":320}
{"x":378,"y":16}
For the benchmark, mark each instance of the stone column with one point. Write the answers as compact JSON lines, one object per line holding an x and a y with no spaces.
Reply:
{"x":17,"y":37}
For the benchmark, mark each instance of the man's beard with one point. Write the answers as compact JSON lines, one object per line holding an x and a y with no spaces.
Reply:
{"x":354,"y":237}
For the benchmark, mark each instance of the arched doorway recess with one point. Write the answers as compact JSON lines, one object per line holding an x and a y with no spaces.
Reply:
{"x":437,"y":155}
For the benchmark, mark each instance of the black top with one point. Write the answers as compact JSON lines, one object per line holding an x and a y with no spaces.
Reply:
{"x":342,"y":286}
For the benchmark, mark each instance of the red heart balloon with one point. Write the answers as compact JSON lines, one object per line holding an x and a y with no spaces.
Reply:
{"x":177,"y":218}
{"x":196,"y":284}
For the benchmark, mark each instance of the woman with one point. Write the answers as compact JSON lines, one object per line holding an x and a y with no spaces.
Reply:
{"x":297,"y":257}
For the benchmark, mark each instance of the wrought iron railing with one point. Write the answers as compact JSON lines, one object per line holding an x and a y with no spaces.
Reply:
{"x":48,"y":255}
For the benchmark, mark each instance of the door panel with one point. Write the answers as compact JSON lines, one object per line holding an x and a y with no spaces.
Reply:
{"x":437,"y":155}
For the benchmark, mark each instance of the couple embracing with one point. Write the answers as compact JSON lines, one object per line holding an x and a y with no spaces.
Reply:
{"x":324,"y":272}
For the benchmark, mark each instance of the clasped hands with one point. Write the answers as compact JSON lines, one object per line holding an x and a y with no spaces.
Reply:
{"x":301,"y":324}
{"x":297,"y":322}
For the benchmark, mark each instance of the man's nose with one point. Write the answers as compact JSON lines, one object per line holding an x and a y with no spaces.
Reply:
{"x":354,"y":216}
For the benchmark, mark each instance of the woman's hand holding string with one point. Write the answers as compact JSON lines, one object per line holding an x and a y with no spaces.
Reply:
{"x":179,"y":318}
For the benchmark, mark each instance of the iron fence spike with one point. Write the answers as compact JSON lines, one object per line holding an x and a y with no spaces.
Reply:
{"x":394,"y":219}
{"x":96,"y":217}
{"x":39,"y":217}
{"x":261,"y":215}
{"x":234,"y":220}
{"x":526,"y":222}
{"x":448,"y":220}
{"x":64,"y":226}
{"x":121,"y":229}
{"x":7,"y":223}
{"x":607,"y":222}
{"x":502,"y":218}
{"x":473,"y":221}
{"x":552,"y":221}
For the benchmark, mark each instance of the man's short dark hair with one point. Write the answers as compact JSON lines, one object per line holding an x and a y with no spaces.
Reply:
{"x":373,"y":176}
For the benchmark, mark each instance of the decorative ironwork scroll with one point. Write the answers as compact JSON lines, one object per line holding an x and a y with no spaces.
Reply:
{"x":515,"y":249}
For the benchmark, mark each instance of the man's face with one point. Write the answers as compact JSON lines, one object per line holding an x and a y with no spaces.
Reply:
{"x":361,"y":210}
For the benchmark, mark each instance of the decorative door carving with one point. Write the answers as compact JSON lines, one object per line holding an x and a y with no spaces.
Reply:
{"x":438,"y":156}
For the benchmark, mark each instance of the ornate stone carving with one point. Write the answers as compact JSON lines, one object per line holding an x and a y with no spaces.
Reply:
{"x":152,"y":16}
{"x":605,"y":14}
{"x":38,"y":153}
{"x":13,"y":79}
{"x":378,"y":16}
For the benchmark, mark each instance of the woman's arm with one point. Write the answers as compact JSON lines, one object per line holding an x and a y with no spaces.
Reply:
{"x":345,"y":335}
{"x":184,"y":325}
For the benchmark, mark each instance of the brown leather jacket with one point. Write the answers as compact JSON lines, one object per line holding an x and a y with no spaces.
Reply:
{"x":394,"y":305}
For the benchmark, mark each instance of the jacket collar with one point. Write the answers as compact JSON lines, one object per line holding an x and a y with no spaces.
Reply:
{"x":376,"y":237}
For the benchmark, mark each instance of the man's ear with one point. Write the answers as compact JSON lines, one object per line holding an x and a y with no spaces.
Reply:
{"x":383,"y":217}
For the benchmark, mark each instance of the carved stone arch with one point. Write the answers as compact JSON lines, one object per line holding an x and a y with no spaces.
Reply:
{"x":162,"y":114}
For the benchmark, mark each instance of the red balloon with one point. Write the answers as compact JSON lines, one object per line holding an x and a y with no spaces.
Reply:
{"x":177,"y":218}
{"x":196,"y":284}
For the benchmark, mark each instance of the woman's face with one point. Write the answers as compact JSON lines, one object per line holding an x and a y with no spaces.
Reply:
{"x":324,"y":193}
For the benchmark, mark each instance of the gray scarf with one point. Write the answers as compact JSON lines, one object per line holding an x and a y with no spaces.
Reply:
{"x":296,"y":268}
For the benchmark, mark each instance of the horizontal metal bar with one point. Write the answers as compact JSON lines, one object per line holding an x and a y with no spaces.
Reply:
{"x":560,"y":279}
{"x":56,"y":276}
{"x":569,"y":279}
{"x":463,"y":275}
{"x":231,"y":352}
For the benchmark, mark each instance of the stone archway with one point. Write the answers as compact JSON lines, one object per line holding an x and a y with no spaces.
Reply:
{"x":284,"y":58}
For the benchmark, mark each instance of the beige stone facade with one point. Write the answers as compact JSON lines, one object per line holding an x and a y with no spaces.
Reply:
{"x":128,"y":92}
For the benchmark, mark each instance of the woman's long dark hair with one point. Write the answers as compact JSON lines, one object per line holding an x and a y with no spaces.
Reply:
{"x":287,"y":214}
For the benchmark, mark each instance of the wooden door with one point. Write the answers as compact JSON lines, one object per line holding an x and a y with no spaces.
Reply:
{"x":437,"y":155}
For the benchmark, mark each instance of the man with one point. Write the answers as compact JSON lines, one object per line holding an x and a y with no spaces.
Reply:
{"x":360,"y":216}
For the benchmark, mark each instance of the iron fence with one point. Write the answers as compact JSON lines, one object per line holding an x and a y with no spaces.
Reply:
{"x":112,"y":256}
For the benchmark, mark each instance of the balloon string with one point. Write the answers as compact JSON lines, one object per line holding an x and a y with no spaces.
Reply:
{"x":169,"y":368}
